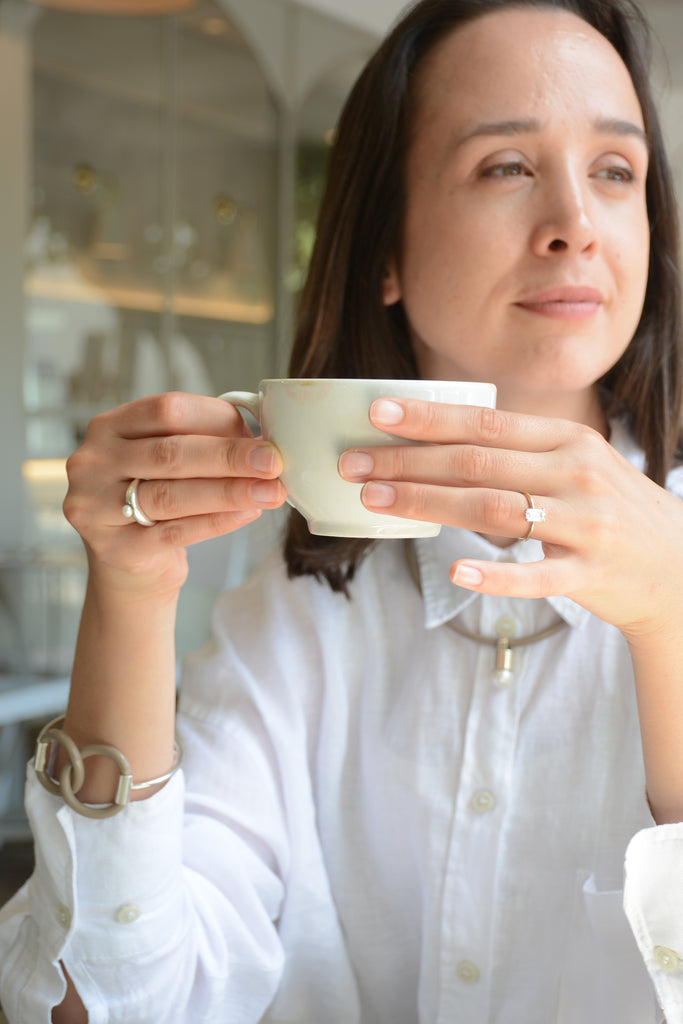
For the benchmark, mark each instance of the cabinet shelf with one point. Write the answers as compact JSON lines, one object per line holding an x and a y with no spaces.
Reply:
{"x":141,"y":300}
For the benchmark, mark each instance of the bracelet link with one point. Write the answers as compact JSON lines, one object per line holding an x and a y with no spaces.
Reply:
{"x":51,"y":734}
{"x":72,"y":773}
{"x":69,"y":789}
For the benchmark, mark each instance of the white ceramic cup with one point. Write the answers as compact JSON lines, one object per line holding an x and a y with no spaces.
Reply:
{"x":312,"y":421}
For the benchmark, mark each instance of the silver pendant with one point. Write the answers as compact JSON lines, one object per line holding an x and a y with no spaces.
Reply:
{"x":504,"y":670}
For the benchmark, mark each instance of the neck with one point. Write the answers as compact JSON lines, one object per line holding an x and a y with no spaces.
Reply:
{"x":584,"y":407}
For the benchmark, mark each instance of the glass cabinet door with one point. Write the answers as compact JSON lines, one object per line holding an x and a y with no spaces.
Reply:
{"x":149,"y":262}
{"x":167,"y":203}
{"x":149,"y":259}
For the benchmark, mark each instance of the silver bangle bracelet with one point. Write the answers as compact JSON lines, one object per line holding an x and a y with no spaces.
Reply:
{"x":72,"y":774}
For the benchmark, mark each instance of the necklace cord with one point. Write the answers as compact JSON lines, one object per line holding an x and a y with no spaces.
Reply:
{"x":502,"y":641}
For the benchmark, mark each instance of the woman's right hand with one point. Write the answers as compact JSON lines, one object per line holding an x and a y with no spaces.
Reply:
{"x":201,"y":472}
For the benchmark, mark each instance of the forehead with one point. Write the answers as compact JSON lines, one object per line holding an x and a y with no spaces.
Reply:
{"x":540,"y":62}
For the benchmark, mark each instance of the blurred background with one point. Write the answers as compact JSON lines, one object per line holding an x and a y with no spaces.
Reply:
{"x":160,"y":172}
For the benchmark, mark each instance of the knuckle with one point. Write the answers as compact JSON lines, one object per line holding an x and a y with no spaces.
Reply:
{"x":588,"y":480}
{"x":402,"y":462}
{"x":81,"y":464}
{"x":170,"y":409}
{"x":419,"y":502}
{"x":475,"y":464}
{"x":605,"y":526}
{"x":233,"y":455}
{"x":219,"y":522}
{"x":164,"y":499}
{"x":490,"y":424}
{"x":226,"y":496}
{"x":76,"y":504}
{"x":589,"y":471}
{"x":233,"y":495}
{"x":98,"y":424}
{"x":71,"y":508}
{"x":172,"y":535}
{"x":73,"y":466}
{"x":79,"y":513}
{"x":582,"y":434}
{"x":167,"y":453}
{"x":433,"y":415}
{"x":544,"y":583}
{"x":498,"y":509}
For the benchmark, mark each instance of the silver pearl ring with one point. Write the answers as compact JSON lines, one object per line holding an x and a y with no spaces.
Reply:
{"x":532,"y":515}
{"x":131,"y":508}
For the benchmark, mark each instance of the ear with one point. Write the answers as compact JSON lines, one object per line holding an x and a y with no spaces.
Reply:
{"x":391,"y":285}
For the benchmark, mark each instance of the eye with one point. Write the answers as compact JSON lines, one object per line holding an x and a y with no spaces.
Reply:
{"x":507,"y":169}
{"x":623,"y":175}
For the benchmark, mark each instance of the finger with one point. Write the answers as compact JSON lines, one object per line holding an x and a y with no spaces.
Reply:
{"x":483,"y":510}
{"x":172,"y":413}
{"x":180,"y":456}
{"x":164,"y":500}
{"x":547,"y":578}
{"x":441,"y":423}
{"x":459,"y":465}
{"x":142,"y":545}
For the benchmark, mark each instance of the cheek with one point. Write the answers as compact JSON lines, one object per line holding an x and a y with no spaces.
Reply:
{"x":448,"y":250}
{"x":635,"y":266}
{"x":632,"y":245}
{"x":630,"y":308}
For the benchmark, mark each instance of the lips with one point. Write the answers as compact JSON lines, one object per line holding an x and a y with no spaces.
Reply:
{"x":567,"y":302}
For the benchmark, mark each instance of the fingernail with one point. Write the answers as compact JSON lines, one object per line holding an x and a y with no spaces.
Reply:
{"x":265,"y":491}
{"x":379,"y":495}
{"x":468,"y":576}
{"x":355,"y":464}
{"x":383,"y":410}
{"x":244,"y":516}
{"x":262,"y":459}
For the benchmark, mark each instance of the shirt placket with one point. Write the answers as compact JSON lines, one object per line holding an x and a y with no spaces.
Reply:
{"x":473,"y":862}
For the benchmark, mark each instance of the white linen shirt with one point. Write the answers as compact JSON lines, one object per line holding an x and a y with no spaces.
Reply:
{"x":368,"y":828}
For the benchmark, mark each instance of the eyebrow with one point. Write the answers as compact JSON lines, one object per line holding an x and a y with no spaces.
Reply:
{"x":606,"y":125}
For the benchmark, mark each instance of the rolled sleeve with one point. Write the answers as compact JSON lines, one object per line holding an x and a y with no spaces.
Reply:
{"x":653,"y":902}
{"x":107,"y":902}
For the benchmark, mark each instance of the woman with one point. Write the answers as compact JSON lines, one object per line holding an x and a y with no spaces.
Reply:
{"x":377,"y":823}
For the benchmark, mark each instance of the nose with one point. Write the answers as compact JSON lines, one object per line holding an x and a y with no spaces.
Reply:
{"x":565,"y":224}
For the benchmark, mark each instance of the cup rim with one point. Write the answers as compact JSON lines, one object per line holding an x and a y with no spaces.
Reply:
{"x":379,"y":380}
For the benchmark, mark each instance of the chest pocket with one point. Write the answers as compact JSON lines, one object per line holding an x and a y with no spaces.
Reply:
{"x":605,"y":979}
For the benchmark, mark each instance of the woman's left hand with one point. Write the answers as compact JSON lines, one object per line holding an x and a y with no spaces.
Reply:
{"x":610,"y":534}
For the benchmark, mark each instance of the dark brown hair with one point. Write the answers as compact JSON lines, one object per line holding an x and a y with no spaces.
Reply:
{"x":345,"y":330}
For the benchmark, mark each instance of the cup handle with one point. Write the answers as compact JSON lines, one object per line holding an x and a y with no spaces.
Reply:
{"x":250,"y":401}
{"x":245,"y":400}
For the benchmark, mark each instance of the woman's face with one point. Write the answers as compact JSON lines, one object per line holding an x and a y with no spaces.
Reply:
{"x":524,"y":251}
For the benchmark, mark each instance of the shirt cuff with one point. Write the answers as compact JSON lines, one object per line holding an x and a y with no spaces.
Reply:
{"x":653,"y":903}
{"x":100,"y":886}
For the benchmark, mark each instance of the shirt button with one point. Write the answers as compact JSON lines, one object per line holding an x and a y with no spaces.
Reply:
{"x":506,"y":625}
{"x":127,"y":913}
{"x":483,"y":801}
{"x":467,"y":972}
{"x":64,"y":916}
{"x":667,"y":958}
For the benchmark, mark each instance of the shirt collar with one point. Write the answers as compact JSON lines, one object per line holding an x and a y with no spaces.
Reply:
{"x":443,"y":599}
{"x":434,"y":556}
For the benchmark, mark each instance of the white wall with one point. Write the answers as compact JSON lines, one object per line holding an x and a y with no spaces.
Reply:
{"x":15,"y":126}
{"x":666,"y":19}
{"x":372,"y":15}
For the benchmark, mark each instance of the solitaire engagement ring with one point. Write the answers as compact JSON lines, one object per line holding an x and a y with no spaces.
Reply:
{"x":131,"y":508}
{"x":532,"y":515}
